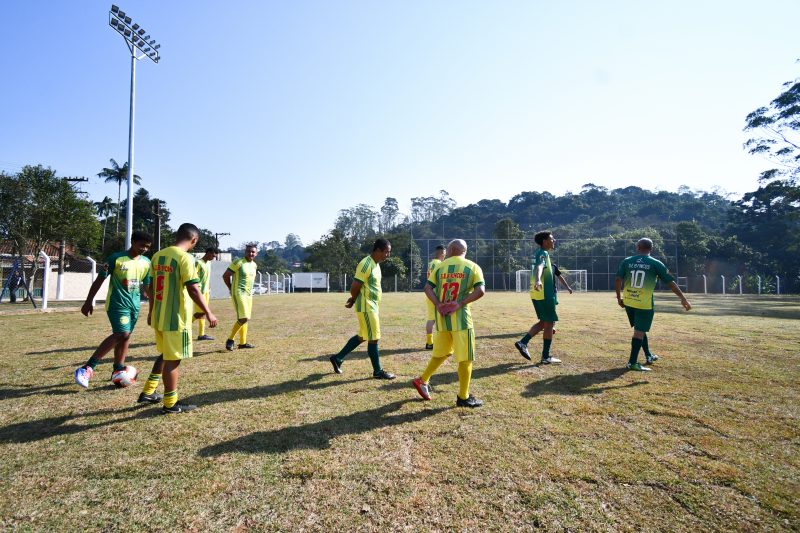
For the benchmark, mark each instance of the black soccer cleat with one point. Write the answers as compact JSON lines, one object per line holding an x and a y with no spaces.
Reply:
{"x":246,"y":345}
{"x":383,"y":374}
{"x":429,"y":346}
{"x":523,"y":350}
{"x":336,"y":366}
{"x":150,"y":398}
{"x":178,"y":408}
{"x":229,"y":345}
{"x":205,"y":338}
{"x":471,"y":401}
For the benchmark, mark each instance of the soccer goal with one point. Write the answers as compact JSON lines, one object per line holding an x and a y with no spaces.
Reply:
{"x":577,"y":279}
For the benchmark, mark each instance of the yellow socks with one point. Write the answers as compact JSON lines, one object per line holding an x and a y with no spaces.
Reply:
{"x":170,"y":398}
{"x":243,"y":334}
{"x":235,"y":330}
{"x":464,"y":376}
{"x":201,"y":327}
{"x":434,"y":363}
{"x":151,"y":384}
{"x":429,"y":338}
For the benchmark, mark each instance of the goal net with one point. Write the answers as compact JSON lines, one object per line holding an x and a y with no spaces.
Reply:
{"x":577,"y":279}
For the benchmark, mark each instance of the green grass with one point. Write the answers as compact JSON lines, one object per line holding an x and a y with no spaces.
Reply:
{"x":707,"y":441}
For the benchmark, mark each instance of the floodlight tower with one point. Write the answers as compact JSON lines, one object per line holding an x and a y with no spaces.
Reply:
{"x":137,"y":40}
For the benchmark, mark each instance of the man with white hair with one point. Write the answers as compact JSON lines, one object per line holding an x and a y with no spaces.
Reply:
{"x":452,"y":286}
{"x":635,"y":282}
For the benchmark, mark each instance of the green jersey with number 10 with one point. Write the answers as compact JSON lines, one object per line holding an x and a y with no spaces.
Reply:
{"x":640,"y":274}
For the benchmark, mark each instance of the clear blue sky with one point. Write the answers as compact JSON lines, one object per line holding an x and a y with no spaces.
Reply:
{"x":265,"y":118}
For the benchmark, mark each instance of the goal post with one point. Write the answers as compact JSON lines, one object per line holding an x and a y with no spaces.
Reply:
{"x":577,"y":279}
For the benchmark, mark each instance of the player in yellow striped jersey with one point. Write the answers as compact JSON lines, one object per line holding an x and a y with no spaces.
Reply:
{"x":204,"y":274}
{"x":175,"y":285}
{"x":452,"y":286}
{"x":239,"y":278}
{"x":438,"y":256}
{"x":365,"y":296}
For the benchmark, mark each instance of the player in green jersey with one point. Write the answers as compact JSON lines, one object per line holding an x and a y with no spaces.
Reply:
{"x":204,"y":274}
{"x":544,"y":298}
{"x":170,"y":315}
{"x":635,"y":282}
{"x":451,"y":287}
{"x":128,"y":272}
{"x":438,"y":257}
{"x":239,"y":278}
{"x":365,"y":296}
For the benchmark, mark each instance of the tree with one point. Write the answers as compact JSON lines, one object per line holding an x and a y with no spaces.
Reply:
{"x":388,"y":217}
{"x":509,"y":236}
{"x":39,"y":207}
{"x":778,"y":127}
{"x":333,"y":253}
{"x":118,"y":174}
{"x":430,"y":208}
{"x":144,"y":216}
{"x":104,"y":208}
{"x":357,"y":223}
{"x":271,"y":262}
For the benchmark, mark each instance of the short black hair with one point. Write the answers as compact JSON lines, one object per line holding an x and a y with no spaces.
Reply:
{"x":211,"y":250}
{"x":441,"y":247}
{"x":186,"y":232}
{"x":381,"y":244}
{"x":251,"y":246}
{"x":141,"y":236}
{"x":540,"y":237}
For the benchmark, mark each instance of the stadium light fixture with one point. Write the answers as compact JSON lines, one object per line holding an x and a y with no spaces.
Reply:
{"x":132,"y":34}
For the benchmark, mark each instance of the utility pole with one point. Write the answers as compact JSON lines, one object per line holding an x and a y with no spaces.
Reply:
{"x":157,"y":224}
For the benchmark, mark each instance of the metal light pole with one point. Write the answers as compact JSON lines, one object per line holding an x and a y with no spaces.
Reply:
{"x":137,"y":40}
{"x":216,"y":239}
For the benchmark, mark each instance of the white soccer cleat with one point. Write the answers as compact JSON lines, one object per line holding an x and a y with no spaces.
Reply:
{"x":83,"y":375}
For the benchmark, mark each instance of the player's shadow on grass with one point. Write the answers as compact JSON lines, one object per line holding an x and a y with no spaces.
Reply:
{"x":35,"y":430}
{"x":361,"y":353}
{"x":320,"y":434}
{"x":447,"y":378}
{"x":310,"y":382}
{"x":89,"y":349}
{"x":23,"y":391}
{"x":500,"y":336}
{"x":145,"y":359}
{"x":579,"y":384}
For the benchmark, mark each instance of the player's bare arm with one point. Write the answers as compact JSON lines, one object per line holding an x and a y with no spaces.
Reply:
{"x":355,"y":288}
{"x":197,"y":297}
{"x":150,"y":301}
{"x":432,"y":297}
{"x":618,"y":289}
{"x":679,"y":293}
{"x":476,"y":294}
{"x":538,"y":283}
{"x":226,"y":277}
{"x":87,"y":308}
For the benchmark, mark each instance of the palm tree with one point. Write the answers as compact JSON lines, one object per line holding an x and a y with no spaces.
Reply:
{"x":104,"y":209}
{"x":119,"y":174}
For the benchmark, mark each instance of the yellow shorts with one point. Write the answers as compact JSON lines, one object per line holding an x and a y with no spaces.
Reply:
{"x":243,"y":304}
{"x":369,"y":326}
{"x":431,"y":309}
{"x":207,"y":297}
{"x":461,"y":343}
{"x":174,"y":345}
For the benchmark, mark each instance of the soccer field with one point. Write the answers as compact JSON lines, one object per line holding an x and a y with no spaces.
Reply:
{"x":708,"y":440}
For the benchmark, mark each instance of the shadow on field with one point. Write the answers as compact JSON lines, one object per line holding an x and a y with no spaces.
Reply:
{"x":514,"y":335}
{"x":89,"y":349}
{"x":447,"y":378}
{"x":264,"y":391}
{"x":319,"y":434}
{"x":735,"y":305}
{"x":361,"y":353}
{"x":23,"y":391}
{"x":577,"y":384}
{"x":34,"y":430}
{"x":149,"y":359}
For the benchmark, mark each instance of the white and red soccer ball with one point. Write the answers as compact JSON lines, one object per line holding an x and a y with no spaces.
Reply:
{"x":125,"y":377}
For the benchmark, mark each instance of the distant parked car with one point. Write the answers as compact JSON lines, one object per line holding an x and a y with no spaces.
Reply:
{"x":260,"y":288}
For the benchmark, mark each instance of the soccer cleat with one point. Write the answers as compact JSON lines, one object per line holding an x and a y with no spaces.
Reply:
{"x":83,"y":375}
{"x":423,"y":389}
{"x":336,"y":366}
{"x":229,"y":345}
{"x":652,"y":358}
{"x":471,"y":401}
{"x":550,"y":361}
{"x":523,"y":349}
{"x":205,"y":338}
{"x":383,"y":374}
{"x":150,"y":398}
{"x":429,"y":346}
{"x":246,"y":345}
{"x":178,"y":408}
{"x":638,"y":367}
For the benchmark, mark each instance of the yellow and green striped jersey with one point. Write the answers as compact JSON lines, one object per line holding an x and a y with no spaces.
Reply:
{"x":172,"y":269}
{"x":244,"y":274}
{"x":640,"y":274}
{"x":548,"y":289}
{"x":204,"y":275}
{"x":433,"y":264}
{"x":452,"y":280}
{"x":368,"y":272}
{"x":127,"y":276}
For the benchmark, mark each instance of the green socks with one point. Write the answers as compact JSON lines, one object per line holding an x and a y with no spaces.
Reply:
{"x":374,"y":357}
{"x":636,"y":344}
{"x":351,"y":345}
{"x":546,"y":348}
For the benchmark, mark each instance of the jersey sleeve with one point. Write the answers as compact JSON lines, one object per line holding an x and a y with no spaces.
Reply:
{"x":108,"y":266}
{"x":364,"y":270}
{"x":146,"y":279}
{"x":477,"y":277}
{"x":432,"y":277}
{"x":540,"y":258}
{"x":664,"y":274}
{"x":621,"y":270}
{"x":556,"y":271}
{"x":188,"y":271}
{"x":235,"y":266}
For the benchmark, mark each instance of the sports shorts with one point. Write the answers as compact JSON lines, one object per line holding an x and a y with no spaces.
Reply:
{"x":122,"y":319}
{"x":431,"y":309}
{"x":459,"y":343}
{"x":243,"y":303}
{"x":369,"y":325}
{"x":174,"y":345}
{"x":546,"y":310}
{"x":640,"y":319}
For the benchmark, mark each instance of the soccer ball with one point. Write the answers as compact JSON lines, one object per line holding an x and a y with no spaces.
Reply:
{"x":125,"y":377}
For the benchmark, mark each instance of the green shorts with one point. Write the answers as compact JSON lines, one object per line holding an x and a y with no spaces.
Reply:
{"x":640,"y":319}
{"x":123,"y":320}
{"x":546,"y":310}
